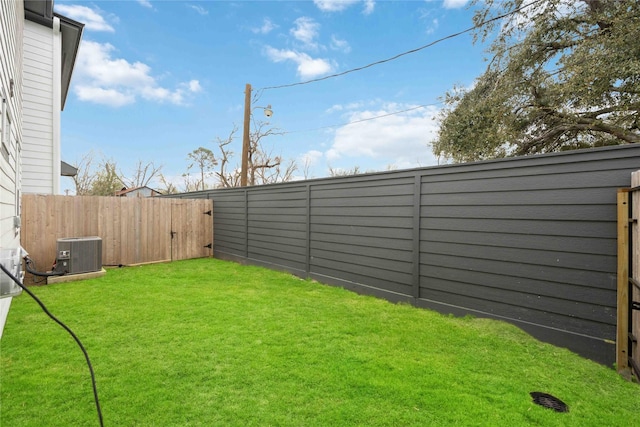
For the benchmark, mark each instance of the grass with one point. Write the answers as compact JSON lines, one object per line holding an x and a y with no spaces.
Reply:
{"x":212,"y":343}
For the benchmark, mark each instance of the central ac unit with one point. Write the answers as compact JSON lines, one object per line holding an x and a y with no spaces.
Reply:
{"x":79,"y":255}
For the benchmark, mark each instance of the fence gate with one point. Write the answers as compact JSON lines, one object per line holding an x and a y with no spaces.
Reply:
{"x":628,"y":329}
{"x":191,"y":229}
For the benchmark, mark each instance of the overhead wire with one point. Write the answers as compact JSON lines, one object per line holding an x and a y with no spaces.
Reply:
{"x":450,"y":36}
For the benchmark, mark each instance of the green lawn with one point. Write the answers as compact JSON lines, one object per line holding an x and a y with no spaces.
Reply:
{"x":212,"y":343}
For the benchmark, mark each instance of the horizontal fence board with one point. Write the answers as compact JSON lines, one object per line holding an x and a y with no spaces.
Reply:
{"x":597,"y":330}
{"x":376,"y":266}
{"x":357,"y":230}
{"x":281,"y":195}
{"x":270,"y":228}
{"x":602,"y":280}
{"x":573,"y":244}
{"x":379,"y":212}
{"x":372,"y":201}
{"x":276,"y":233}
{"x":492,"y":197}
{"x":382,"y":253}
{"x":275,"y":210}
{"x":560,"y":290}
{"x":285,"y":246}
{"x":238,"y":227}
{"x":363,"y":241}
{"x":594,"y":229}
{"x":296,"y":253}
{"x":540,"y":212}
{"x":553,"y":181}
{"x":562,"y":307}
{"x":231,"y":247}
{"x":269,"y":257}
{"x":282,"y":218}
{"x":320,"y":193}
{"x":542,"y":258}
{"x":398,"y":222}
{"x":344,"y":271}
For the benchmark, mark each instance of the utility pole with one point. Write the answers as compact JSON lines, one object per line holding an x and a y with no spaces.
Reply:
{"x":246,"y":137}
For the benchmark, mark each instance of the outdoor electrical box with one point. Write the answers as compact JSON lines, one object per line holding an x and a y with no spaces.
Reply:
{"x":76,"y":255}
{"x":11,"y":260}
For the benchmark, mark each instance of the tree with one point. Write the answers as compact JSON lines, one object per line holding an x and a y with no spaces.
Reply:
{"x":107,"y":180}
{"x":204,"y":160}
{"x":167,"y":187}
{"x":227,"y":178}
{"x":189,"y":183}
{"x":142,"y":175}
{"x":84,"y":177}
{"x":335,"y":172}
{"x":263,"y":166}
{"x":562,"y":75}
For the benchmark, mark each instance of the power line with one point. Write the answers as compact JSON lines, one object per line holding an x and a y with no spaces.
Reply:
{"x":483,"y":23}
{"x":363,"y":120}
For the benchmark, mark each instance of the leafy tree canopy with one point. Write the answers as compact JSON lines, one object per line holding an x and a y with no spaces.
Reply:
{"x":562,"y":74}
{"x":204,"y":160}
{"x":107,"y":181}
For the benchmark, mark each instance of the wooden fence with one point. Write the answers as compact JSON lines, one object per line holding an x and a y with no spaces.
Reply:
{"x":133,"y":230}
{"x":628,"y":327}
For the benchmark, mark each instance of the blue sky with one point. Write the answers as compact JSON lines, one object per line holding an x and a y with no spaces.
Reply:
{"x":156,"y":79}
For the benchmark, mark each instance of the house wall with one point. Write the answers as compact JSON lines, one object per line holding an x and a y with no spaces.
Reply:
{"x":41,"y":158}
{"x":11,"y":68}
{"x":529,"y":240}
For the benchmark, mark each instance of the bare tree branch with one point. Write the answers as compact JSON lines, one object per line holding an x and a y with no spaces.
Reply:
{"x":142,"y":175}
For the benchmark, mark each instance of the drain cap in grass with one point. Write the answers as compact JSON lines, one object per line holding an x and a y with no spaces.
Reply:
{"x":549,"y":401}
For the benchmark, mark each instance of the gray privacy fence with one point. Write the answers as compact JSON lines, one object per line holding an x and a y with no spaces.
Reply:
{"x":529,"y":240}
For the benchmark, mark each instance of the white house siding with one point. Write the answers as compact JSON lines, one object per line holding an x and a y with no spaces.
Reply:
{"x":41,"y":110}
{"x":11,"y":68}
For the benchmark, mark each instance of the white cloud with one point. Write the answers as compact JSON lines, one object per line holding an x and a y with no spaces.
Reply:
{"x":333,"y":5}
{"x":194,"y":86}
{"x":433,"y":26}
{"x":340,"y":5}
{"x":308,"y":67}
{"x":311,"y":157}
{"x":266,"y":28}
{"x":305,"y":30}
{"x":369,"y":5}
{"x":102,"y":96}
{"x":201,"y":10}
{"x":145,"y":3}
{"x":401,"y":140}
{"x":91,"y":18}
{"x":307,"y":163}
{"x":341,"y":45}
{"x":522,"y":21}
{"x":115,"y":82}
{"x":454,"y":4}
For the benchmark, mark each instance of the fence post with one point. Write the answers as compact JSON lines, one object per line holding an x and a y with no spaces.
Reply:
{"x":308,"y":242}
{"x":246,"y":224}
{"x":417,"y":193}
{"x":622,"y":331}
{"x":634,"y":290}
